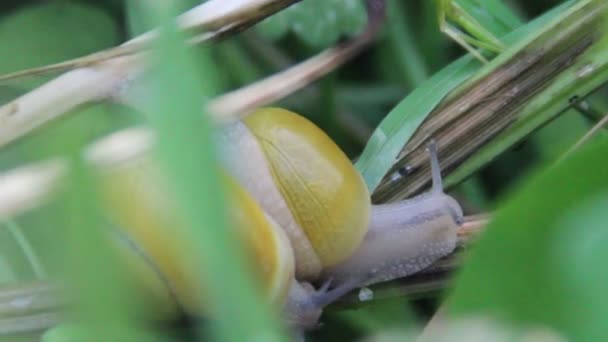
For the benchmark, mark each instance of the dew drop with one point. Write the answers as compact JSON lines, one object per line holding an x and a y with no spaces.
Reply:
{"x":366,"y":294}
{"x":395,"y":176}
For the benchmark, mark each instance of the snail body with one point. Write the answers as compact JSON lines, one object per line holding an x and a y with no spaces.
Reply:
{"x":306,"y":213}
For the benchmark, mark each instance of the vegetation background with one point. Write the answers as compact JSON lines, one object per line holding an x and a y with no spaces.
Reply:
{"x":539,"y":267}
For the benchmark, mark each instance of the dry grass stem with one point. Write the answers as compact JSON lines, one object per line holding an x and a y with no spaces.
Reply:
{"x":466,"y":123}
{"x":206,"y":22}
{"x":110,"y":77}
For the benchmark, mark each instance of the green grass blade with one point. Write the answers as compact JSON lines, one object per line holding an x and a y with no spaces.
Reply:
{"x":104,"y":305}
{"x":401,"y":122}
{"x":581,"y":78}
{"x":397,"y":128}
{"x":186,"y":152}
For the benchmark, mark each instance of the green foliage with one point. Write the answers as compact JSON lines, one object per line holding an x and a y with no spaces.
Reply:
{"x":557,"y":137}
{"x":540,"y":263}
{"x":319,"y":23}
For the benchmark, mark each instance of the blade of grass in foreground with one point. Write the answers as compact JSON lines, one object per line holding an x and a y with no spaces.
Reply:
{"x":103,"y":307}
{"x":186,"y":153}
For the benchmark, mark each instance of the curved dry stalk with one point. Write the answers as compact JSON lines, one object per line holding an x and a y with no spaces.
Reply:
{"x":64,"y":93}
{"x":206,"y":22}
{"x":110,"y":79}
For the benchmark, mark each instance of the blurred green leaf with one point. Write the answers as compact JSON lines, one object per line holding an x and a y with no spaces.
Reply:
{"x":7,"y":274}
{"x":105,"y":302}
{"x":542,"y":259}
{"x":186,"y":153}
{"x":65,"y":332}
{"x":558,"y":136}
{"x":319,"y":23}
{"x":53,"y":32}
{"x":401,"y":40}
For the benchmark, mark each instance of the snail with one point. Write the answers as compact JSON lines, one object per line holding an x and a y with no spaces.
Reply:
{"x":308,"y":185}
{"x":306,"y":201}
